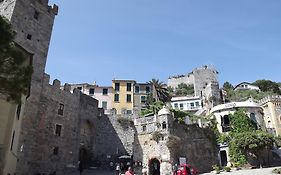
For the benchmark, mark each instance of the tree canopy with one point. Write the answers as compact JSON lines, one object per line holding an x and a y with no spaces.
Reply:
{"x":240,"y":122}
{"x":268,"y":85}
{"x":227,"y":86}
{"x":152,"y":108}
{"x":15,"y":77}
{"x":160,"y":91}
{"x":245,"y":139}
{"x":184,"y":89}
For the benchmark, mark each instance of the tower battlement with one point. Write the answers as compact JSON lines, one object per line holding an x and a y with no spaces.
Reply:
{"x":56,"y":86}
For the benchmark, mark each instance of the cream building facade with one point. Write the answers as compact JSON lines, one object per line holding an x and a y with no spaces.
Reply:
{"x":271,"y":106}
{"x":102,"y":93}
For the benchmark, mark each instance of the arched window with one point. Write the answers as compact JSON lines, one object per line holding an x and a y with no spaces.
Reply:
{"x":164,"y":125}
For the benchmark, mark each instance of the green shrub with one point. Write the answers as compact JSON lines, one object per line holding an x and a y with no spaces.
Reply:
{"x":227,"y":169}
{"x":216,"y":168}
{"x":276,"y":171}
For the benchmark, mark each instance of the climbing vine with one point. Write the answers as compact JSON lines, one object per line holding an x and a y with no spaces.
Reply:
{"x":245,"y":138}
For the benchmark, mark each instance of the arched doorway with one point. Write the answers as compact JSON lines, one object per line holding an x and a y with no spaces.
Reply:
{"x":83,"y":158}
{"x":154,"y":167}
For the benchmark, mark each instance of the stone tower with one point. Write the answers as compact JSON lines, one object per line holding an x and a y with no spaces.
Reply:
{"x":32,"y":20}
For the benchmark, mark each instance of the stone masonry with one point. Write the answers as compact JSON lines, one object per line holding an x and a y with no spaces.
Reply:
{"x":63,"y":126}
{"x":115,"y":137}
{"x":199,"y":77}
{"x":162,"y":139}
{"x":60,"y":128}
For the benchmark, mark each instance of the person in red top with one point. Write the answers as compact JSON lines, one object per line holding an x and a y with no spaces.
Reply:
{"x":130,"y":171}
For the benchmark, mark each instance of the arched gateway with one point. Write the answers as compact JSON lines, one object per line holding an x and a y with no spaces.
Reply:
{"x":154,"y":167}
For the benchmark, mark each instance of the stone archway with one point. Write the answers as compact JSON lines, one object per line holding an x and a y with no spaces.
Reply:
{"x":154,"y":167}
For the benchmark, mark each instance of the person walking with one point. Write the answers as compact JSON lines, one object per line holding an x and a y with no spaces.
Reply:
{"x":130,"y":171}
{"x":80,"y":167}
{"x":175,"y":169}
{"x":111,"y":166}
{"x":118,"y":169}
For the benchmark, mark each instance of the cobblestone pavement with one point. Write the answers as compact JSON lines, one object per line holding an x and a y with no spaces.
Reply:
{"x":263,"y":171}
{"x":96,"y":172}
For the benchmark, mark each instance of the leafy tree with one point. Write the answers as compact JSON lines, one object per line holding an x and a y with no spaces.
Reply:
{"x":160,"y":92}
{"x":245,"y":139}
{"x":268,"y":85}
{"x":253,"y":142}
{"x":171,"y":91}
{"x":180,"y":115}
{"x":14,"y":76}
{"x":184,"y":89}
{"x":152,"y":108}
{"x":242,"y":95}
{"x":227,"y":86}
{"x":240,"y":122}
{"x":278,"y":141}
{"x":149,"y":99}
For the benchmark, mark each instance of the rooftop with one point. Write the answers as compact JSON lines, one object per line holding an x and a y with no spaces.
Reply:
{"x":245,"y":104}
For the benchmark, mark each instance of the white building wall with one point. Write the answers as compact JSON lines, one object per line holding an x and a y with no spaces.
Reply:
{"x":186,"y":104}
{"x":247,"y":86}
{"x":98,"y":94}
{"x":103,"y":98}
{"x":257,"y":111}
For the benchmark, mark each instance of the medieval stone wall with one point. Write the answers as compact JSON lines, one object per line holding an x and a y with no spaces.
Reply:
{"x":115,"y":137}
{"x":175,"y":140}
{"x":43,"y":148}
{"x":174,"y":81}
{"x":199,"y":77}
{"x":198,"y":145}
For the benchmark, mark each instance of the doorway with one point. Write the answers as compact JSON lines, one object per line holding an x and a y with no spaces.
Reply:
{"x":83,"y":158}
{"x":223,"y":157}
{"x":154,"y":167}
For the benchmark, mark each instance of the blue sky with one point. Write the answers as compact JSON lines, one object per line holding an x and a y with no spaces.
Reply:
{"x":98,"y":40}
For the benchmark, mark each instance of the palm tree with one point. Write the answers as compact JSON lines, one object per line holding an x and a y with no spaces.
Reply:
{"x":159,"y":90}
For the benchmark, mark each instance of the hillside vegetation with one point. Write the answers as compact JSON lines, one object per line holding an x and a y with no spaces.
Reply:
{"x":267,"y":87}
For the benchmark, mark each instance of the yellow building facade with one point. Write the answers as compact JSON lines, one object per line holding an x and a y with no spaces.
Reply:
{"x":272,"y":114}
{"x":122,"y":98}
